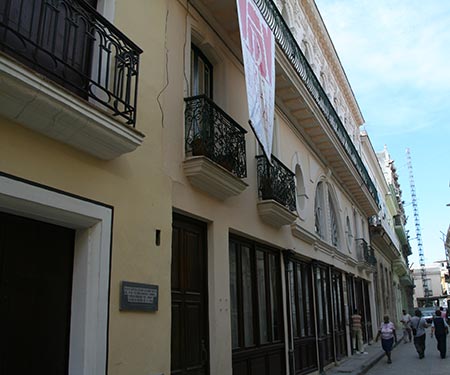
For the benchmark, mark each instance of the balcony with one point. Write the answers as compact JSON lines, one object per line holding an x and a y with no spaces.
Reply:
{"x":400,"y":267}
{"x":294,"y":54}
{"x":382,"y":236}
{"x":68,"y":73}
{"x":302,"y":97}
{"x":365,"y":255}
{"x":399,"y":226}
{"x":215,"y":149}
{"x":276,"y":189}
{"x":407,"y":281}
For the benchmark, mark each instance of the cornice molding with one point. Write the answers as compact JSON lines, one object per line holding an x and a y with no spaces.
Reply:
{"x":319,"y":30}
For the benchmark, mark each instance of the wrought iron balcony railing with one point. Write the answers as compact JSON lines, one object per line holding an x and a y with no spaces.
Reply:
{"x":213,"y":133}
{"x":375,"y":221}
{"x":71,"y":43}
{"x":365,"y":252}
{"x":288,"y":44}
{"x":276,"y":182}
{"x":398,"y":220}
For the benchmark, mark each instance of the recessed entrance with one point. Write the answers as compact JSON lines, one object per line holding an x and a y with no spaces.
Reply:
{"x":36,"y":264}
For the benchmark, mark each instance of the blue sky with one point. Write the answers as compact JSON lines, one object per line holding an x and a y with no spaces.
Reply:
{"x":396,"y":54}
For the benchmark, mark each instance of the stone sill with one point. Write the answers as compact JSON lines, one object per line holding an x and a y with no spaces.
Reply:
{"x":275,"y":214}
{"x":212,"y":178}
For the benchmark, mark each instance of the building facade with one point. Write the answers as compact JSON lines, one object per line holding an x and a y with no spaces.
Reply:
{"x":435,"y":280}
{"x":278,"y":254}
{"x":137,"y":210}
{"x":83,"y":202}
{"x":393,"y":218}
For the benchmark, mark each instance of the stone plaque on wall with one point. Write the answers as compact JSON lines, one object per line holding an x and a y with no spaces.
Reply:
{"x":138,"y":297}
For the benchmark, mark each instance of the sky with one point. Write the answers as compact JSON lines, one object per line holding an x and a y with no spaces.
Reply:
{"x":396,"y":54}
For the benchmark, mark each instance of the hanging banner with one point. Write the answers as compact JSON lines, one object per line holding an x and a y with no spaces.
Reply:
{"x":258,"y":50}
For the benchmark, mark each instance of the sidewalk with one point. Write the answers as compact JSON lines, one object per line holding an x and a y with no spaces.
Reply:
{"x":359,"y":364}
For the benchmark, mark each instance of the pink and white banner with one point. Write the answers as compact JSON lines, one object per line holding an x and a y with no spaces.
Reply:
{"x":258,"y":50}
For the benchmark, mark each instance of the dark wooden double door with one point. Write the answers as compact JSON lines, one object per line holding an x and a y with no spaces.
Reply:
{"x":36,"y":262}
{"x":189,"y":344}
{"x":358,"y":292}
{"x":332,"y":339}
{"x":316,"y":295}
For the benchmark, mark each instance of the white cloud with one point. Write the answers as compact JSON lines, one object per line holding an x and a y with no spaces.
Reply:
{"x":396,"y":55}
{"x":401,"y":42}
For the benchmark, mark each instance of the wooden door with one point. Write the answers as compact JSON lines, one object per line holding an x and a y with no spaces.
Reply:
{"x":257,"y":328}
{"x":301,"y":309}
{"x":340,"y":339}
{"x":324,"y":315}
{"x":367,"y":312}
{"x":189,"y":345}
{"x":36,"y":262}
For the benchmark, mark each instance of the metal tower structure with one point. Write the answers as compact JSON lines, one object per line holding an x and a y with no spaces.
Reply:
{"x":426,"y":290}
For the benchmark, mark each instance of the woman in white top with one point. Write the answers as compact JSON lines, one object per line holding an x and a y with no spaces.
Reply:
{"x":388,"y":336}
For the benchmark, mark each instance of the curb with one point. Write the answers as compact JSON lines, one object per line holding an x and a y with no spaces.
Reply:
{"x":365,"y":367}
{"x":375,"y":360}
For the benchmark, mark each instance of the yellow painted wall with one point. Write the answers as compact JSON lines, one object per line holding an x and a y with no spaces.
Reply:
{"x":134,"y":184}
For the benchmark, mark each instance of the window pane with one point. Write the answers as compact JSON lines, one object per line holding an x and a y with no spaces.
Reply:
{"x":309,"y":322}
{"x":275,"y":297}
{"x":247,"y":297}
{"x":335,"y":301}
{"x":201,"y":74}
{"x":334,"y":224}
{"x":325,"y":300}
{"x":208,"y":82}
{"x":319,"y":214}
{"x":292,"y":293}
{"x":193,"y":75}
{"x":300,"y":301}
{"x":320,"y":303}
{"x":262,"y":302}
{"x":234,"y":296}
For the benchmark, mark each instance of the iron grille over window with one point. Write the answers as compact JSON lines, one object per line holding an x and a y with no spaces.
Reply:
{"x":72,"y":44}
{"x":276,"y":182}
{"x":213,"y":133}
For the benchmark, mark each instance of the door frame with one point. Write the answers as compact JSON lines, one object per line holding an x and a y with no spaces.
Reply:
{"x":92,"y":221}
{"x":179,"y":217}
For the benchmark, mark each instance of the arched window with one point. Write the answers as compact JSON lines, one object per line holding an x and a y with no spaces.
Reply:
{"x":334,"y":229}
{"x":319,"y":212}
{"x":349,"y":234}
{"x":306,"y":50}
{"x":300,"y":189}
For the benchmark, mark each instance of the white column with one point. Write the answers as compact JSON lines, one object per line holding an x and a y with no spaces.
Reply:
{"x":219,"y":300}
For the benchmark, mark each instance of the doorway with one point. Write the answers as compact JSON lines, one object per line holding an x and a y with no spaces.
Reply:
{"x":36,"y":266}
{"x":190,"y":339}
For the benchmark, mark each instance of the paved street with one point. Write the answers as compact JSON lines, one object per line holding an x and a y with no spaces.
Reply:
{"x":406,"y":361}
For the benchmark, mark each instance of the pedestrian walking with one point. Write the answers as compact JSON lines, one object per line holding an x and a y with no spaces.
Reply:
{"x":439,"y":328}
{"x":388,"y":337}
{"x":406,"y":321}
{"x":444,"y":314}
{"x":358,"y":345}
{"x":418,"y":326}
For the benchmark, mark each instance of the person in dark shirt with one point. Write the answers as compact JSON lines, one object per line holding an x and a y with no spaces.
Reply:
{"x":439,"y":328}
